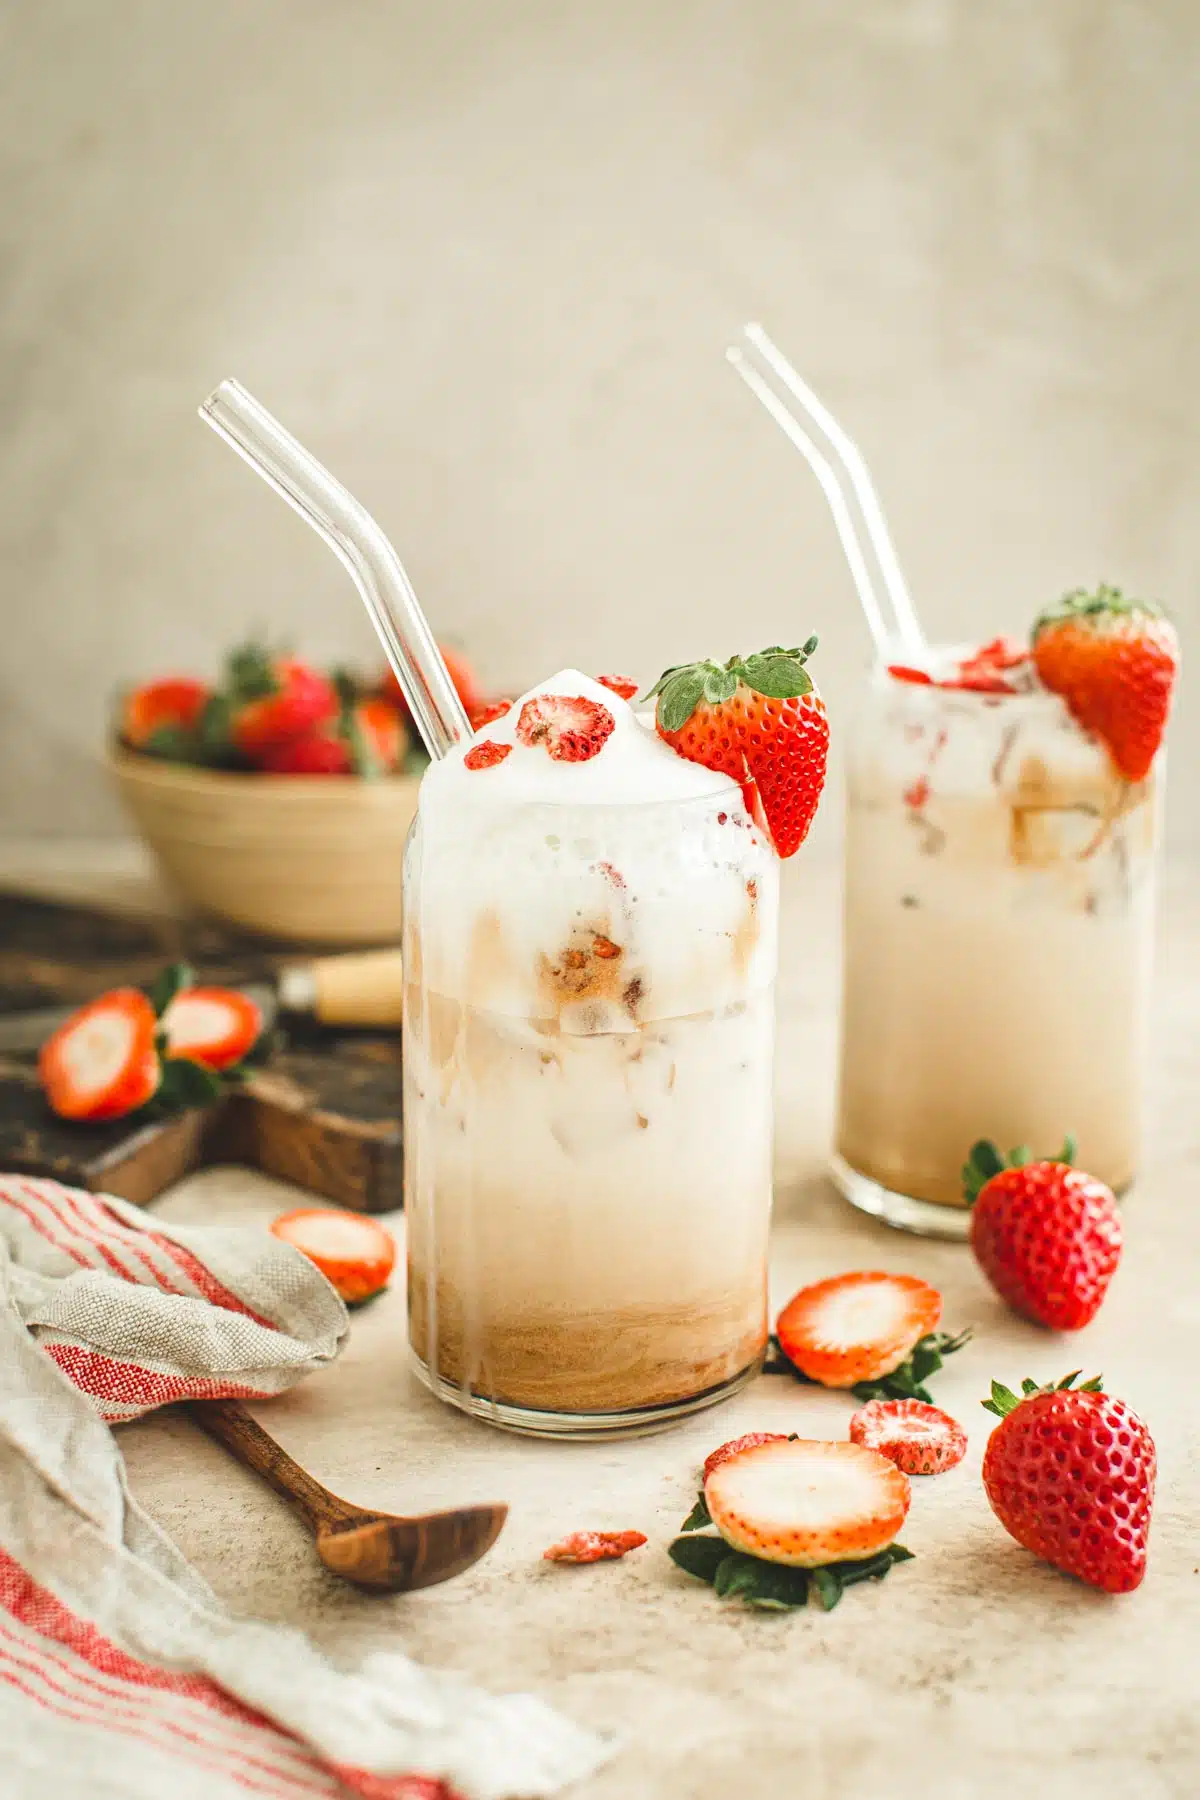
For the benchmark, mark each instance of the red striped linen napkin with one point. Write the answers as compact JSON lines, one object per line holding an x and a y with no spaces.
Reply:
{"x":120,"y":1672}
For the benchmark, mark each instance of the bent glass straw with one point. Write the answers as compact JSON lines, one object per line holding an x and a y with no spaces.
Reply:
{"x":905,"y":628}
{"x":357,"y":541}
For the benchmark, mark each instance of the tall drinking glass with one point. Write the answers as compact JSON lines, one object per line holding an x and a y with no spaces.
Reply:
{"x":588,"y":1044}
{"x":999,"y":909}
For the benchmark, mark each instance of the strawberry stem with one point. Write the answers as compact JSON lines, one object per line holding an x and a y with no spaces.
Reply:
{"x":1003,"y":1401}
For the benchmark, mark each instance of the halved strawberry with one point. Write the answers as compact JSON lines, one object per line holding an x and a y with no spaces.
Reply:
{"x":102,"y":1062}
{"x":355,"y":1253}
{"x":214,"y":1026}
{"x":760,"y":720}
{"x":570,"y":727}
{"x":624,"y":685}
{"x":161,"y":716}
{"x":856,"y":1327}
{"x":735,"y":1446}
{"x":805,"y":1502}
{"x":594,"y":1546}
{"x":920,"y":1439}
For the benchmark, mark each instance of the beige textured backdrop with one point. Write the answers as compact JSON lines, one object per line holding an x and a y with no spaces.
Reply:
{"x":484,"y":257}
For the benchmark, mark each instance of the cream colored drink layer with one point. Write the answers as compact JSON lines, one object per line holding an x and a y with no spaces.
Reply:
{"x":998,"y":937}
{"x":588,"y":1047}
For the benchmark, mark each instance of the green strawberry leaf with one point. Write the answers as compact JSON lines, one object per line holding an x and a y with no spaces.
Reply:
{"x":719,"y":686}
{"x":768,"y":1587}
{"x":250,"y":671}
{"x":827,"y":1586}
{"x":699,"y":1515}
{"x":186,"y":1084}
{"x":1002,"y":1401}
{"x":681,"y":696}
{"x":737,"y":1573}
{"x":172,"y":743}
{"x":907,"y":1381}
{"x":778,"y":677}
{"x":983,"y":1161}
{"x":170,"y":981}
{"x":699,"y":1556}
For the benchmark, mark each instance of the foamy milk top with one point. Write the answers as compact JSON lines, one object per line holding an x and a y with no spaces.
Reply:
{"x":601,"y":894}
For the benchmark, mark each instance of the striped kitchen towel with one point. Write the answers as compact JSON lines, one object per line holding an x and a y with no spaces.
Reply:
{"x":120,"y":1673}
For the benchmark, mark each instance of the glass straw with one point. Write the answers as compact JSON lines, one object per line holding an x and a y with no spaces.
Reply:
{"x":361,"y":546}
{"x":858,"y":493}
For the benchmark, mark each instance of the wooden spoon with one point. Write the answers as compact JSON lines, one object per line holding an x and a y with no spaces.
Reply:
{"x":374,"y":1550}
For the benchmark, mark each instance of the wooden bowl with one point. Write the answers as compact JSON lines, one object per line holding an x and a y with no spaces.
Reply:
{"x":310,"y":858}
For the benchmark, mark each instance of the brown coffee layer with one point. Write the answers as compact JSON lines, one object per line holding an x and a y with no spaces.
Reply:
{"x":614,"y":1361}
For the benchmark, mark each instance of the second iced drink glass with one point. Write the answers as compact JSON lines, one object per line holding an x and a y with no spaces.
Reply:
{"x":589,"y":1030}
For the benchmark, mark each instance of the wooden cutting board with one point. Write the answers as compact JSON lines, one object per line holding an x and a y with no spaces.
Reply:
{"x":323,"y":1112}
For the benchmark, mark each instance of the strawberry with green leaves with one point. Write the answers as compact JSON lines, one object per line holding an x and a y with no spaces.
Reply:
{"x":760,"y":720}
{"x":1115,"y":661}
{"x":268,"y":701}
{"x":1069,"y":1472}
{"x":1047,"y":1236}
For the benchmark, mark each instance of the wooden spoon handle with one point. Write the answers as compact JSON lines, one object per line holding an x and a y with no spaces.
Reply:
{"x":232,"y":1426}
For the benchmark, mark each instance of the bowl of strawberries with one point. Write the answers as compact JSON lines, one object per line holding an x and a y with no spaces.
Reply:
{"x":279,"y":799}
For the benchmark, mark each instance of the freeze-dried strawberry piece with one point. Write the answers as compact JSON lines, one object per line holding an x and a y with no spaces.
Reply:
{"x":486,"y":755}
{"x":624,"y":685}
{"x":488,"y":713}
{"x":594,"y":1546}
{"x":570,"y":726}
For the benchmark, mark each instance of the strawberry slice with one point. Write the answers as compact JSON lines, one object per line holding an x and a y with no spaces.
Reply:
{"x":487,"y":754}
{"x":213,"y":1026}
{"x":594,"y":1546}
{"x":856,"y":1327}
{"x":570,"y":727}
{"x":102,"y":1062}
{"x":356,"y":1254}
{"x":760,"y":720}
{"x":735,"y":1446}
{"x":806,"y":1502}
{"x":920,"y":1439}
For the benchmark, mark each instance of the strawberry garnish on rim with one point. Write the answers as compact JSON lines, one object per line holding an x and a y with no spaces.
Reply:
{"x":760,"y":720}
{"x":355,"y":1253}
{"x":594,"y":1546}
{"x":918,"y":1438}
{"x":1114,"y":660}
{"x":1069,"y":1472}
{"x":102,"y":1062}
{"x":569,"y":727}
{"x":858,"y":1327}
{"x":1047,"y":1236}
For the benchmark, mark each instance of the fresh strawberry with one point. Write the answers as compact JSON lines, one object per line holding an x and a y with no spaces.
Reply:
{"x":594,"y":1546}
{"x":735,"y":1446}
{"x":486,"y":755}
{"x":355,"y":1253}
{"x":102,"y":1062}
{"x":274,"y":699}
{"x":1047,"y":1236}
{"x":213,"y":1026}
{"x":805,"y":1502}
{"x":1070,"y":1474}
{"x":856,"y":1327}
{"x":1114,"y":661}
{"x":570,"y":727}
{"x":161,"y":718}
{"x":488,"y":713}
{"x":382,"y":735}
{"x":465,"y":680}
{"x":624,"y":685}
{"x":369,"y":738}
{"x":759,"y":720}
{"x":920,"y":1439}
{"x":320,"y":752}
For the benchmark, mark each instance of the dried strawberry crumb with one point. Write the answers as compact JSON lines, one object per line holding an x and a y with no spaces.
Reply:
{"x":624,"y":685}
{"x":486,"y":755}
{"x":488,"y":713}
{"x":902,"y":672}
{"x":605,"y":948}
{"x":594,"y":1546}
{"x":722,"y":818}
{"x":917,"y":795}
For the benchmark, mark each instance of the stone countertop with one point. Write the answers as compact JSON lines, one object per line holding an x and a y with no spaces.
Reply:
{"x":970,"y":1669}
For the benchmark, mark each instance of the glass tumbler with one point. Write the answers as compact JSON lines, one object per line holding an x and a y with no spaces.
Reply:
{"x":999,"y":914}
{"x":588,"y":1049}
